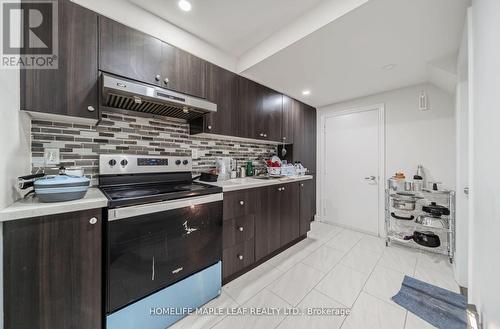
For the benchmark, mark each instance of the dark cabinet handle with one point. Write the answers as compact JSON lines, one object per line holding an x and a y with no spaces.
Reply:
{"x":93,"y":220}
{"x":209,"y":127}
{"x":401,"y":217}
{"x":240,"y":228}
{"x":242,"y":202}
{"x":240,"y":257}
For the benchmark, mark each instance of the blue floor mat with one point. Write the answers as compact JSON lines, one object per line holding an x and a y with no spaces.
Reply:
{"x":440,"y":307}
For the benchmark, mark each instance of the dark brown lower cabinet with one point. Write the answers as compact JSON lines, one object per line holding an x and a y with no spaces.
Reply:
{"x":277,"y":214}
{"x":289,"y":213}
{"x":238,"y":257}
{"x":267,"y":222}
{"x":307,"y":205}
{"x":52,"y":271}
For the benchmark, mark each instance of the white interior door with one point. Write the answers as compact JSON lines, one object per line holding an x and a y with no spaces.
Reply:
{"x":352,"y":167}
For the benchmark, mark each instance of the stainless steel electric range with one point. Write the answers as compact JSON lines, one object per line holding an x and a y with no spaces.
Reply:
{"x":164,"y":239}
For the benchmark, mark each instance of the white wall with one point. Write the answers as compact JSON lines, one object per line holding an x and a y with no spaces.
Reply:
{"x":413,"y":137}
{"x":14,"y":149}
{"x":14,"y":138}
{"x":462,"y":177}
{"x":131,"y":15}
{"x":484,"y":259}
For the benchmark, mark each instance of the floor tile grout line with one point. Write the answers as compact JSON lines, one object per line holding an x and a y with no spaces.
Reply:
{"x":362,"y":289}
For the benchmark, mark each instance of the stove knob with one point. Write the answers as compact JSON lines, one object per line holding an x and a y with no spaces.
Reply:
{"x":112,"y":162}
{"x":124,"y":162}
{"x":177,"y":162}
{"x":185,"y":162}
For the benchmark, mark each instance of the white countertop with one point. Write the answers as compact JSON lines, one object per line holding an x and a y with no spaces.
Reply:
{"x":32,"y":207}
{"x":249,"y":182}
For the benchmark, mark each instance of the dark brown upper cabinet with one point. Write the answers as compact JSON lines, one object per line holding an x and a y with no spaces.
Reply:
{"x":249,"y":108}
{"x":287,"y":121}
{"x":260,"y":111}
{"x":182,"y":71}
{"x":129,"y":53}
{"x":72,"y":88}
{"x":132,"y":54}
{"x":222,"y":89}
{"x":270,"y":119}
{"x":304,"y":140}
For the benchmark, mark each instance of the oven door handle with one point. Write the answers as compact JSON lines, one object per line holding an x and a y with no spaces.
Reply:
{"x":126,"y":212}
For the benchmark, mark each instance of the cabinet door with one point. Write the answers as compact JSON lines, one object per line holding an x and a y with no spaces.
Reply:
{"x":307,"y":205}
{"x":289,"y":213}
{"x":287,"y":120}
{"x":182,"y":72}
{"x":222,"y":89}
{"x":129,"y":53}
{"x":71,"y":89}
{"x":267,"y":222}
{"x":250,"y":108}
{"x":304,"y":146}
{"x":52,"y":271}
{"x":271,"y":114}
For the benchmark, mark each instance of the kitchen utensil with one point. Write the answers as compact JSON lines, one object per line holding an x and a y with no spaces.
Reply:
{"x":436,"y":210}
{"x":433,"y":222}
{"x":208,"y":177}
{"x":27,"y":181}
{"x":74,"y":171}
{"x":61,"y":188}
{"x":283,"y":150}
{"x":426,"y":239}
{"x":396,"y":216}
{"x":403,"y":204}
{"x":393,"y":184}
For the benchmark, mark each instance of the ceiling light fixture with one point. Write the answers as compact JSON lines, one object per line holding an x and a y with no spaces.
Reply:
{"x":306,"y":92}
{"x":185,"y":5}
{"x":388,"y":67}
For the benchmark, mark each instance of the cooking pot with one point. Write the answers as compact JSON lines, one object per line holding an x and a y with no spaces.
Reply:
{"x":436,"y":210}
{"x":400,"y":217}
{"x":431,"y":221}
{"x":425,"y":238}
{"x":403,"y":203}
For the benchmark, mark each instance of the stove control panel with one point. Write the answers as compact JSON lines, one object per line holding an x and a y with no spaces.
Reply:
{"x":115,"y":164}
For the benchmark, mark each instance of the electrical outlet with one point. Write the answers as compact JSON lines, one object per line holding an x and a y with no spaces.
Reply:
{"x":51,"y":156}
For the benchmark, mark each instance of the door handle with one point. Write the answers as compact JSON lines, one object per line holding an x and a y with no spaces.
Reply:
{"x":370,"y":178}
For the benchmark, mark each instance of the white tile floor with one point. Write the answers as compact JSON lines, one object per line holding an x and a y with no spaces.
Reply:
{"x":333,"y":268}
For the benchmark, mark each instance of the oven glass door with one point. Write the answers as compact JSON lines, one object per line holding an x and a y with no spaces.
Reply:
{"x":149,"y":252}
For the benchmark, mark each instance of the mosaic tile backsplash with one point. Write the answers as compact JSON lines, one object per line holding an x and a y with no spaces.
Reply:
{"x":80,"y":145}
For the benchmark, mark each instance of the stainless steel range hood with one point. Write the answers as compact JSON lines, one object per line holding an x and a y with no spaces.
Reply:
{"x":140,"y":97}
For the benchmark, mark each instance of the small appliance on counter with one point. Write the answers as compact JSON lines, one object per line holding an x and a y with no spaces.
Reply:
{"x":55,"y":188}
{"x":223,"y":168}
{"x":61,"y":188}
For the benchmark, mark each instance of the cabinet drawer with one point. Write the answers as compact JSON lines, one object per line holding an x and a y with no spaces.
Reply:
{"x":238,"y":230}
{"x":239,"y":204}
{"x":238,"y":257}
